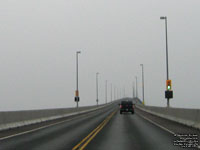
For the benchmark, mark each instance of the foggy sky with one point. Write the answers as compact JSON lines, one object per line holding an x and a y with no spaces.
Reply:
{"x":39,"y":40}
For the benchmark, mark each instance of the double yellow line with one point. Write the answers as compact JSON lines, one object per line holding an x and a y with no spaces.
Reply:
{"x":87,"y":139}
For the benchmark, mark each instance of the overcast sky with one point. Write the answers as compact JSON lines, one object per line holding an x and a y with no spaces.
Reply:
{"x":39,"y":40}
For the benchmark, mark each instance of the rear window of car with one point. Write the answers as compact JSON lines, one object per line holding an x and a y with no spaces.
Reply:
{"x":126,"y":103}
{"x":123,"y":102}
{"x":130,"y":103}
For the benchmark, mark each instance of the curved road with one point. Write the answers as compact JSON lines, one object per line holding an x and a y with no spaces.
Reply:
{"x":104,"y":129}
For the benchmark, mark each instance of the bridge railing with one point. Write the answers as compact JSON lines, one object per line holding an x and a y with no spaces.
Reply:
{"x":189,"y":117}
{"x":13,"y":119}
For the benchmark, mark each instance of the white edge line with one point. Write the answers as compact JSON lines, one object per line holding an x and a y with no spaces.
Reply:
{"x":29,"y":131}
{"x":36,"y":129}
{"x":171,"y":118}
{"x":167,"y":130}
{"x":156,"y":124}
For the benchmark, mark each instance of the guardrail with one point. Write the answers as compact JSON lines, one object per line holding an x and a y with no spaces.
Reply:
{"x":189,"y":117}
{"x":13,"y":119}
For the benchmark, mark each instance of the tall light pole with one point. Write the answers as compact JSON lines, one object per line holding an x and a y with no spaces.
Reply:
{"x":136,"y":93}
{"x":124,"y":92}
{"x":117,"y":93}
{"x":133,"y":90}
{"x":111,"y":92}
{"x":121,"y":93}
{"x":106,"y":92}
{"x":167,"y":66}
{"x":142,"y":82}
{"x":114,"y":93}
{"x":97,"y":88}
{"x":77,"y":99}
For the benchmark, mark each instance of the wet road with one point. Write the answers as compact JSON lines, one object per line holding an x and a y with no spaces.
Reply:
{"x":105,"y":129}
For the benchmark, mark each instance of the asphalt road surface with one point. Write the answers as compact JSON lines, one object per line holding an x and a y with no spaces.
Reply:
{"x":105,"y":129}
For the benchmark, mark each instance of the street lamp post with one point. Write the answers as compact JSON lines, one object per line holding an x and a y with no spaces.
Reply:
{"x":111,"y":92}
{"x":117,"y":93}
{"x":97,"y":88}
{"x":121,"y":93}
{"x":106,"y":91}
{"x":77,"y":99}
{"x":114,"y":93}
{"x":124,"y":93}
{"x":167,"y":66}
{"x":142,"y":82}
{"x":133,"y":90}
{"x":136,"y":90}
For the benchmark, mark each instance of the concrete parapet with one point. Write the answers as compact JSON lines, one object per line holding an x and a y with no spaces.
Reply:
{"x":189,"y":117}
{"x":15,"y":119}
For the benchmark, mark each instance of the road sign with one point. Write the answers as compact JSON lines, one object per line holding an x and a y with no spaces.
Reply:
{"x":168,"y":94}
{"x":77,"y":99}
{"x":76,"y":93}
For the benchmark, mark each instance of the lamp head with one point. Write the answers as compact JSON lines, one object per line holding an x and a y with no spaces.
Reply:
{"x":163,"y":17}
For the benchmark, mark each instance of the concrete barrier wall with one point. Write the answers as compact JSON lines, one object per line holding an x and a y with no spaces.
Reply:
{"x":14,"y":116}
{"x":189,"y":117}
{"x":13,"y":119}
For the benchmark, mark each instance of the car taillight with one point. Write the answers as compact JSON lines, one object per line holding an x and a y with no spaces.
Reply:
{"x":120,"y":106}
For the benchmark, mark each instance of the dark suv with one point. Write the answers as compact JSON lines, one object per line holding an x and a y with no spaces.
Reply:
{"x":126,"y":106}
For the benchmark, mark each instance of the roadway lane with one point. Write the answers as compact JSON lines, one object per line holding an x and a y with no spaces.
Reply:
{"x":131,"y":132}
{"x":105,"y":129}
{"x":63,"y":136}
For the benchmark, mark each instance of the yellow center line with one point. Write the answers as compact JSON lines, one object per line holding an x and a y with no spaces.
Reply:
{"x":88,"y":136}
{"x":93,"y":133}
{"x":92,"y":137}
